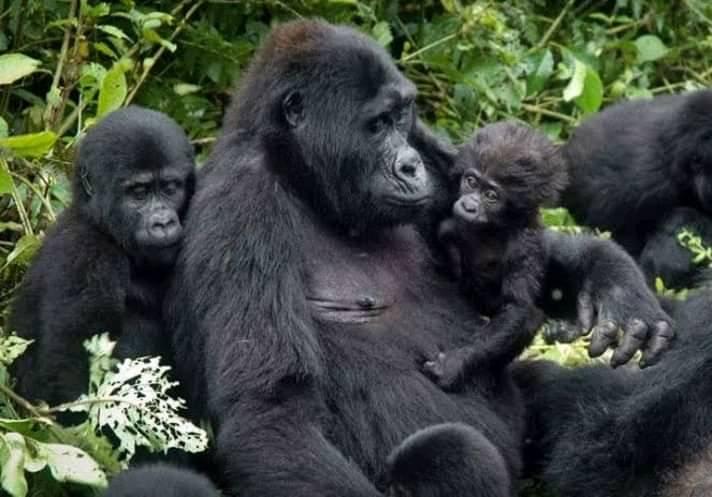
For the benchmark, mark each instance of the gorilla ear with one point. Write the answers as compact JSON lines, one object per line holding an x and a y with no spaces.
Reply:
{"x":85,"y":181}
{"x":293,"y":108}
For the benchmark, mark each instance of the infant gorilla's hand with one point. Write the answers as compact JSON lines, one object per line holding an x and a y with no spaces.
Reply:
{"x":448,"y":369}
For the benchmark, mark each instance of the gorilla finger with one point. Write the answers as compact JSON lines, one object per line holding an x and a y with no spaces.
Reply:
{"x":661,"y":339}
{"x":584,"y":307}
{"x":603,"y":336}
{"x":634,"y":337}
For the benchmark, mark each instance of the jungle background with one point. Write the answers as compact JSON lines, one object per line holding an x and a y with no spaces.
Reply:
{"x":66,"y":63}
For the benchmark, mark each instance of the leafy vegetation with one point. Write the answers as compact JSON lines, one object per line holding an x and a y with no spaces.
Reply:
{"x":66,"y":63}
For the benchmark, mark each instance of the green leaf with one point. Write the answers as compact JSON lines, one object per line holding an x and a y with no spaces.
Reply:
{"x":185,"y":88}
{"x":4,"y":128}
{"x":70,"y":464}
{"x":30,"y":145}
{"x":6,"y":182}
{"x":382,"y":33}
{"x":591,"y":98}
{"x":541,"y":69}
{"x":12,"y":347}
{"x":650,"y":48}
{"x":113,"y":31}
{"x":24,"y":249}
{"x":113,"y":91}
{"x":585,"y":87}
{"x":14,"y":66}
{"x":12,"y":474}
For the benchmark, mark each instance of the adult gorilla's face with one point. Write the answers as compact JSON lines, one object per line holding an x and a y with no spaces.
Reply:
{"x":350,"y":121}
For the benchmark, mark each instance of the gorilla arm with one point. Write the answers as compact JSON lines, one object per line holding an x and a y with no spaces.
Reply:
{"x":611,"y":294}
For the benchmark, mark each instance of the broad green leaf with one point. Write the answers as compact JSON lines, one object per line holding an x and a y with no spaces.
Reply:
{"x":12,"y":475}
{"x":591,"y":98}
{"x":4,"y":128}
{"x":24,"y":249}
{"x":113,"y":91}
{"x":70,"y":464}
{"x":31,"y":145}
{"x":650,"y":48}
{"x":575,"y":87}
{"x":14,"y":66}
{"x":382,"y":33}
{"x":541,"y":69}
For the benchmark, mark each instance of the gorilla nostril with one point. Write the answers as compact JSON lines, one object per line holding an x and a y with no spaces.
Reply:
{"x":408,"y":170}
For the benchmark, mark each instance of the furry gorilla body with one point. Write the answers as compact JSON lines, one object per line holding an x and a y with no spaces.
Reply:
{"x":600,"y":432}
{"x":496,"y":242}
{"x":103,"y":267}
{"x":160,"y":480}
{"x":643,"y":158}
{"x":305,"y":302}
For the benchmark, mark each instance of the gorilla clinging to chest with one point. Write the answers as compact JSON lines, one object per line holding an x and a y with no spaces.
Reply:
{"x":103,"y":267}
{"x":305,"y":301}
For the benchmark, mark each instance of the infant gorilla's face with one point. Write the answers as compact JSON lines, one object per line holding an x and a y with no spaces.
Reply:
{"x":481,"y":199}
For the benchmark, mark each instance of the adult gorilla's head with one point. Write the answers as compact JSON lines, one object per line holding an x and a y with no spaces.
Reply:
{"x":134,"y":179}
{"x":335,"y":116}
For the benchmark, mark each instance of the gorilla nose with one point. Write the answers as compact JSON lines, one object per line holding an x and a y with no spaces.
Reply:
{"x":164,"y":228}
{"x":470,"y":205}
{"x":409,"y":168}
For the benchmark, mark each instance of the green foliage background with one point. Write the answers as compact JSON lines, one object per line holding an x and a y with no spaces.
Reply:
{"x":65,"y":63}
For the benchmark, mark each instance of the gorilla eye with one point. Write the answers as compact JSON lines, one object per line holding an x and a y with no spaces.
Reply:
{"x":379,"y":124}
{"x":170,"y":187}
{"x":471,"y":181}
{"x":491,"y":195}
{"x":138,"y":192}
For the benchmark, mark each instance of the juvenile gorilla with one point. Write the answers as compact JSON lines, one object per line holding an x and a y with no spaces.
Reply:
{"x":305,"y":300}
{"x":103,"y":267}
{"x":496,"y":243}
{"x":598,"y":432}
{"x":634,"y":162}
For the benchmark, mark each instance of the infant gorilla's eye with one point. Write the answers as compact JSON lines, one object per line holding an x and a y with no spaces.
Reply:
{"x":170,"y":188}
{"x":470,"y":181}
{"x":379,"y":124}
{"x":491,"y":195}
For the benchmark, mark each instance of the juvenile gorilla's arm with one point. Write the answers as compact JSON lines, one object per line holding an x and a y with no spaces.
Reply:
{"x":610,"y":294}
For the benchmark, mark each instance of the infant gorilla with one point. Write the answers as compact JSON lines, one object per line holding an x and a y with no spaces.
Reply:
{"x":495,"y":245}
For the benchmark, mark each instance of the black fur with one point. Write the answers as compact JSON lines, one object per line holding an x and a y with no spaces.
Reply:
{"x":447,"y":460}
{"x":103,"y":267}
{"x":305,"y":300}
{"x":599,"y":432}
{"x":663,"y":256}
{"x":503,"y":175}
{"x":634,"y":162}
{"x":160,"y":480}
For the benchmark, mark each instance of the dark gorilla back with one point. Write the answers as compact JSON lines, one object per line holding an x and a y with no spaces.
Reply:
{"x":104,"y":266}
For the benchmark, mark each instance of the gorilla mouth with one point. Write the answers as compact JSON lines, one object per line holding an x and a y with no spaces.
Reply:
{"x":407,"y":200}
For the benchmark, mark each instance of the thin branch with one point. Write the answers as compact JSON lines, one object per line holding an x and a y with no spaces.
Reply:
{"x":554,"y":26}
{"x":162,"y":49}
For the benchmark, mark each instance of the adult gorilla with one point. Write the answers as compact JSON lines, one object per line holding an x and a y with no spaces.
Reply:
{"x":306,"y":302}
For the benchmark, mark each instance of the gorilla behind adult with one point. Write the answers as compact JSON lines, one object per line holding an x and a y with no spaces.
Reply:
{"x":633,"y":163}
{"x":103,"y":267}
{"x":305,"y":301}
{"x":598,"y":432}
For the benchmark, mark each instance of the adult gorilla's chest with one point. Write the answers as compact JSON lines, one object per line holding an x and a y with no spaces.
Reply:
{"x":381,"y":311}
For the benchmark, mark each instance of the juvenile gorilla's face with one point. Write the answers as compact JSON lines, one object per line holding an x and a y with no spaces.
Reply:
{"x":151,"y":205}
{"x":700,"y":167}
